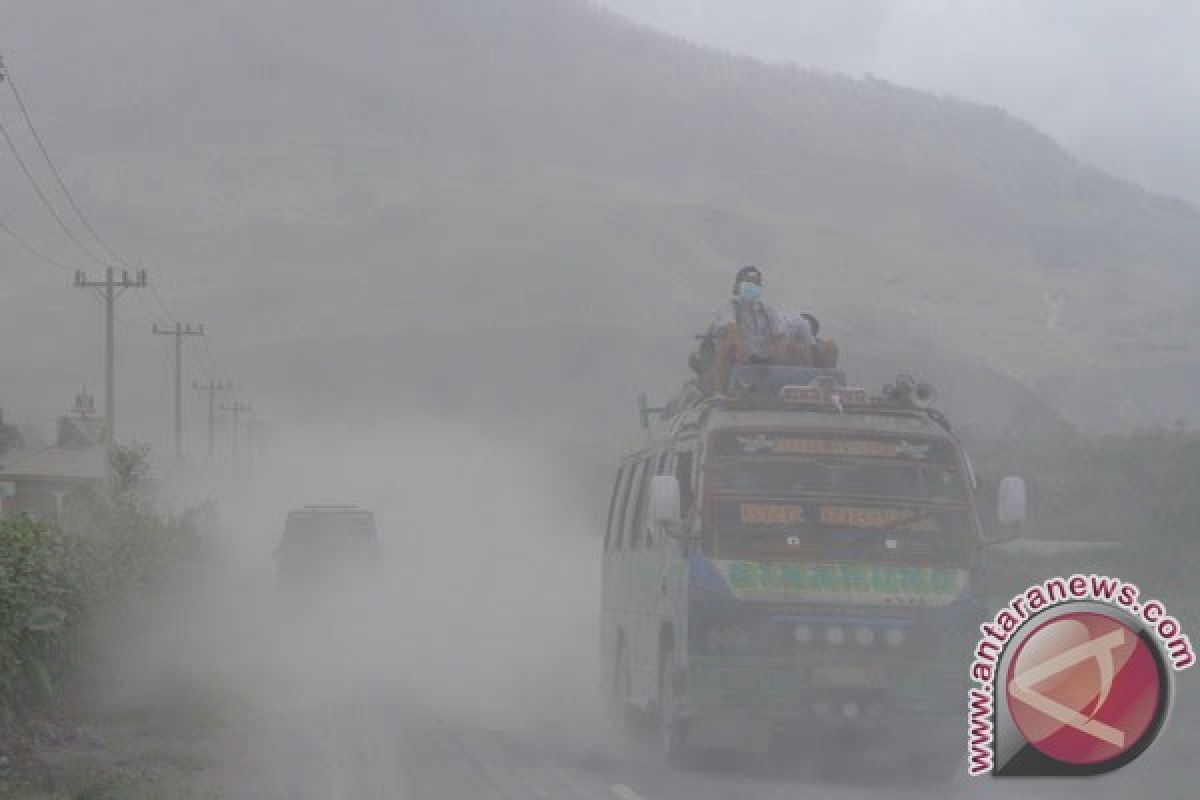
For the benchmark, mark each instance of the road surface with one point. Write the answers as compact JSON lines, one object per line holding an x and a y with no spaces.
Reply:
{"x":375,"y":750}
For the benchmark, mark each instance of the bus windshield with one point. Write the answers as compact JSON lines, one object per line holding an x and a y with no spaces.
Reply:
{"x":836,"y":496}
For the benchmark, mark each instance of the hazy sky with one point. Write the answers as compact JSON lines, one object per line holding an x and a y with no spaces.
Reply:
{"x":1117,"y":82}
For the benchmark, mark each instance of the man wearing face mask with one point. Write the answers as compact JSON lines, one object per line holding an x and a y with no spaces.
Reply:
{"x":746,"y":330}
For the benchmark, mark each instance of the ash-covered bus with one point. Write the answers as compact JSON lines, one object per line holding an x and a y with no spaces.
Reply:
{"x":790,"y":561}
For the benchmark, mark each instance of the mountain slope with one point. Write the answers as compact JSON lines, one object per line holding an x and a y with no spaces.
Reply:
{"x":294,"y":172}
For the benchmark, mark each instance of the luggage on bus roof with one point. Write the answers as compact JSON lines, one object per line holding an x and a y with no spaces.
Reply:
{"x":768,"y":379}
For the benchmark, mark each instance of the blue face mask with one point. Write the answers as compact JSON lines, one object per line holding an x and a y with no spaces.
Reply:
{"x":749,"y":291}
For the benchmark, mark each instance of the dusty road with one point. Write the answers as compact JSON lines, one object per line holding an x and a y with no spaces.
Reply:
{"x":372,"y":751}
{"x":474,"y":676}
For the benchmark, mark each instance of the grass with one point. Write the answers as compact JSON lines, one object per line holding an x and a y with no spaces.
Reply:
{"x":166,"y":750}
{"x":157,"y":756}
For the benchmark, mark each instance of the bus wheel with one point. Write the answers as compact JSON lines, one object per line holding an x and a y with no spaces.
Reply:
{"x":672,"y":731}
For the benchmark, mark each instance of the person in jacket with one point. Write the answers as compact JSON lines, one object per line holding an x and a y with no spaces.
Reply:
{"x":745,"y":329}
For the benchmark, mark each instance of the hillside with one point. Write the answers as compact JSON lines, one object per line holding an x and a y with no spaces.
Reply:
{"x":383,"y":172}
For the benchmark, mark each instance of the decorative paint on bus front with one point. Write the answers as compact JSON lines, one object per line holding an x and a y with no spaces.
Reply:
{"x":855,"y":584}
{"x":779,"y":443}
{"x":704,"y":574}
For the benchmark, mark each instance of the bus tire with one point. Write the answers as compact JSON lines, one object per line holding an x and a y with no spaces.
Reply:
{"x":672,"y":730}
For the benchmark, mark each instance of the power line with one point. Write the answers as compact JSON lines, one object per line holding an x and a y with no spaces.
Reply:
{"x":163,"y":349}
{"x":109,"y":285}
{"x":45,"y":200}
{"x":179,"y":331}
{"x":211,"y":389}
{"x":206,"y":351}
{"x":6,"y":76}
{"x":162,"y":304}
{"x":210,"y":360}
{"x":208,"y":354}
{"x":237,"y":408}
{"x":36,"y":253}
{"x":153,"y":319}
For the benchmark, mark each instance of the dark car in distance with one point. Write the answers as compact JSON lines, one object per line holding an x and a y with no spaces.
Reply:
{"x":322,"y":545}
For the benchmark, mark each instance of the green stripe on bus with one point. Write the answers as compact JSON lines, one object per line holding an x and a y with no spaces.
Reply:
{"x":793,"y":576}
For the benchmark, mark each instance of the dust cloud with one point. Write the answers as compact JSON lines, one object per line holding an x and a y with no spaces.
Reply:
{"x":483,"y":606}
{"x":442,"y":245}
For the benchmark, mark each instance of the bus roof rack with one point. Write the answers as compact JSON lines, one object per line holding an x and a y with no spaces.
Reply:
{"x":769,"y":379}
{"x":779,"y":387}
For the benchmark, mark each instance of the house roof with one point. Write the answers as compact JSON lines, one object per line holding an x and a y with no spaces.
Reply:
{"x":69,"y":463}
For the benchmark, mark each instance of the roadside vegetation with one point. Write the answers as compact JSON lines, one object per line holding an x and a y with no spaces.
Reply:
{"x":112,"y":557}
{"x":1140,"y":491}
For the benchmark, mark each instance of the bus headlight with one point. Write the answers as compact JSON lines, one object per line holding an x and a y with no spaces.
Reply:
{"x":802,"y":634}
{"x":835,"y":634}
{"x":894,"y":636}
{"x":864,"y":635}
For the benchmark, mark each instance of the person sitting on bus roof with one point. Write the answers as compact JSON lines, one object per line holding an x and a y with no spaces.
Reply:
{"x":801,"y":345}
{"x":745,"y":330}
{"x":798,"y":339}
{"x":824,"y":351}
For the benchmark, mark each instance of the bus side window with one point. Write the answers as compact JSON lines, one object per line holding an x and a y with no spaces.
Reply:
{"x":628,"y":497}
{"x":637,"y":521}
{"x":683,"y":474}
{"x":612,"y":510}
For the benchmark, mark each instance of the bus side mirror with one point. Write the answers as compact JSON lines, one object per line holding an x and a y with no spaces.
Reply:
{"x":1012,"y":505}
{"x":664,"y":500}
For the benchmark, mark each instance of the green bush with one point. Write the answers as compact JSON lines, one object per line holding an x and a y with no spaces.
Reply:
{"x":40,"y":599}
{"x":111,"y":548}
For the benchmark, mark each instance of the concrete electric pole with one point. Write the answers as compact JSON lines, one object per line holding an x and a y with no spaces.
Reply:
{"x":254,"y":443}
{"x":179,"y":331}
{"x":238,"y":408}
{"x":109,"y":290}
{"x":211,"y":388}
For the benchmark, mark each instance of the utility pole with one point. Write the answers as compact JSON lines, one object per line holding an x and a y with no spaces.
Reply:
{"x":179,"y":331}
{"x":212,"y":387}
{"x":238,"y":408}
{"x":254,"y":444}
{"x":109,"y":290}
